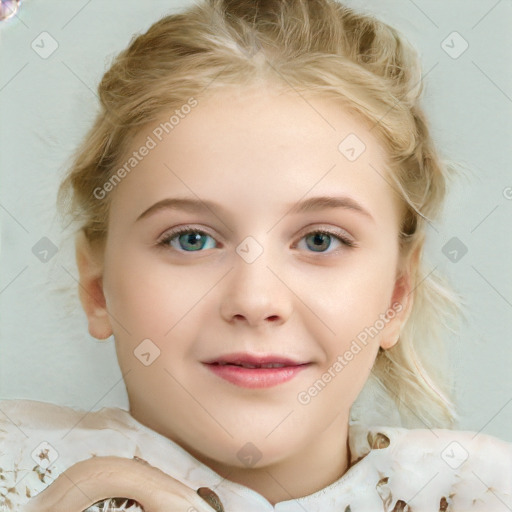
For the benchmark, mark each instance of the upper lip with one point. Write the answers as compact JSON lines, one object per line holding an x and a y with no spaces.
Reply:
{"x":255,"y":359}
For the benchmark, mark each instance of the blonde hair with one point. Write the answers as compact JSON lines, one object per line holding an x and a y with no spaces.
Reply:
{"x":318,"y":46}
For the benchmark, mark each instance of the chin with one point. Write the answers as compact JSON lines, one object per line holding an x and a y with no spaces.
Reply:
{"x":243,"y":453}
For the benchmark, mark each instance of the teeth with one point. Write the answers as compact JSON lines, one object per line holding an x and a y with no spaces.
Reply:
{"x":248,"y":365}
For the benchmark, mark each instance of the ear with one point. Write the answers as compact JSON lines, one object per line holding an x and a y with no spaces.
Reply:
{"x":90,"y":269}
{"x":401,"y":302}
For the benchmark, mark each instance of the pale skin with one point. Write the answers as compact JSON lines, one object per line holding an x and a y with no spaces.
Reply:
{"x":254,"y":152}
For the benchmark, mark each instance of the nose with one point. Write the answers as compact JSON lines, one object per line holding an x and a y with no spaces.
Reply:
{"x":256,"y":293}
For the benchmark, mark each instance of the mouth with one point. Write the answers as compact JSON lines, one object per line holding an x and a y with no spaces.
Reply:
{"x":253,"y":371}
{"x":249,"y":365}
{"x":255,"y":361}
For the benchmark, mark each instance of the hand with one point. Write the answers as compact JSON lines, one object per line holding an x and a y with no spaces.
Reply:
{"x":100,"y":478}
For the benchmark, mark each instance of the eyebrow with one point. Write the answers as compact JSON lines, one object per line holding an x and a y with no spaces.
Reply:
{"x":308,"y":205}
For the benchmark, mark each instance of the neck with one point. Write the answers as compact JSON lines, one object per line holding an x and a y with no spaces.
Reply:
{"x":320,"y":464}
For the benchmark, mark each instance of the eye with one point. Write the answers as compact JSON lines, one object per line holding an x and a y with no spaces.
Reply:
{"x":186,"y":239}
{"x":189,"y":239}
{"x":320,"y":240}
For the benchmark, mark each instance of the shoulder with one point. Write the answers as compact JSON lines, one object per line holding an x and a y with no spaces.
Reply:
{"x":40,"y":440}
{"x":448,"y":469}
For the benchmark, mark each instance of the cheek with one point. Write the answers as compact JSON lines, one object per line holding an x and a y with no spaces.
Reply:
{"x":141,"y":299}
{"x":150,"y":298}
{"x":351,"y":296}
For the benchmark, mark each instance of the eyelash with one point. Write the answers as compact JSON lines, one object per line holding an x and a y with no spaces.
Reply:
{"x":164,"y":242}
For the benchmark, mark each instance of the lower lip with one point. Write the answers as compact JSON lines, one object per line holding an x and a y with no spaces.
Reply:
{"x":256,"y":377}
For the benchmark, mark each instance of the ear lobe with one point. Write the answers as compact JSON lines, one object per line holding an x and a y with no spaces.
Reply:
{"x":401,"y":303}
{"x":90,"y":269}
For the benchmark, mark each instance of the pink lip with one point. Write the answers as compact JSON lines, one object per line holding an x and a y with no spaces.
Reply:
{"x":255,"y":377}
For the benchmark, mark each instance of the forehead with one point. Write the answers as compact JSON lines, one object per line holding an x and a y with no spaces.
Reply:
{"x":263,"y":116}
{"x":244,"y":142}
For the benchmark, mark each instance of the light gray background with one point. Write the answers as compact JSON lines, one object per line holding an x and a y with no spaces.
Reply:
{"x":47,"y":104}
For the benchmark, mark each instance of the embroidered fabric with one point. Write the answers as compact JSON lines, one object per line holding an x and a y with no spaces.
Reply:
{"x":392,"y":469}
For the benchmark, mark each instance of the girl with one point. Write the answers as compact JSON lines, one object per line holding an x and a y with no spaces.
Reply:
{"x":252,"y":204}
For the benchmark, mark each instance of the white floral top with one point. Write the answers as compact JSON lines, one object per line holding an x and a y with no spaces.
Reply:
{"x":392,"y":469}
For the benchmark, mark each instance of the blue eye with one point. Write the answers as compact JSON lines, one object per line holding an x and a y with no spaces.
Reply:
{"x":189,"y":239}
{"x":322,"y":239}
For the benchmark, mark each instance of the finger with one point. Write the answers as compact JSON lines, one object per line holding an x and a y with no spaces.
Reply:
{"x":100,"y":478}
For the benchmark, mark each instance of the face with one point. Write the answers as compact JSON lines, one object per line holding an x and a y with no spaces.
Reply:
{"x":251,"y":273}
